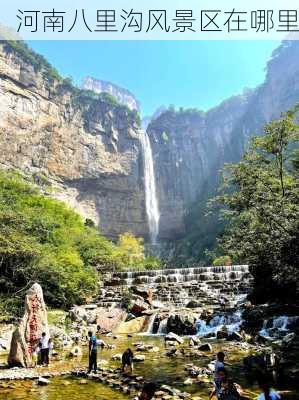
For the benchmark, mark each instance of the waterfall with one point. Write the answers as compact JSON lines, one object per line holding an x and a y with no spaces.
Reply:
{"x":232,"y":322}
{"x":162,"y":330}
{"x":279,"y":326}
{"x":151,"y":325}
{"x":151,"y":201}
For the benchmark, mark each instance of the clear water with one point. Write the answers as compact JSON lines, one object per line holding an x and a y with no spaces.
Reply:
{"x":157,"y":367}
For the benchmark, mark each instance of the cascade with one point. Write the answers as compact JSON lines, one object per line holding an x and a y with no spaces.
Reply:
{"x":162,"y":330}
{"x":232,"y":322}
{"x":151,"y":201}
{"x":151,"y":325}
{"x":278,"y":327}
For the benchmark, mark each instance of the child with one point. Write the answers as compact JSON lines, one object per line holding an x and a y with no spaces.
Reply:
{"x":35,"y":357}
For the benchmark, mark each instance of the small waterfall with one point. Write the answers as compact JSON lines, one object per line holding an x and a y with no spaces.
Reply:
{"x":232,"y":322}
{"x":162,"y":327}
{"x":278,"y":327}
{"x":151,"y":325}
{"x":182,"y":275}
{"x":151,"y":201}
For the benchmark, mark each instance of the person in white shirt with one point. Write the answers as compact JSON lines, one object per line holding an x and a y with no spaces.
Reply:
{"x":267,"y":393}
{"x":44,"y":349}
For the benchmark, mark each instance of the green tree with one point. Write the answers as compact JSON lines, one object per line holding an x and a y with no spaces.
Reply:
{"x":260,"y":201}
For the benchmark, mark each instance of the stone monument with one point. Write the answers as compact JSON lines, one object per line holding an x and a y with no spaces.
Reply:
{"x":26,"y":337}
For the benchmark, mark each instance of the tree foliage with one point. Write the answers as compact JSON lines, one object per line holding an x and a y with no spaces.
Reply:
{"x":41,"y":240}
{"x":260,"y":200}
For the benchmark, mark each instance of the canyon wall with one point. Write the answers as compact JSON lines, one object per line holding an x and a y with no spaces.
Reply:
{"x":190,"y":147}
{"x":87,"y":149}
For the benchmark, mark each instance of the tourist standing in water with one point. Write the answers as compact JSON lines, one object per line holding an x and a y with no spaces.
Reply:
{"x":267,"y":393}
{"x":148,"y":391}
{"x":127,"y":361}
{"x":93,"y":354}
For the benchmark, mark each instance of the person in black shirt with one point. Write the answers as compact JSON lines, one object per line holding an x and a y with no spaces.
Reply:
{"x":127,"y":361}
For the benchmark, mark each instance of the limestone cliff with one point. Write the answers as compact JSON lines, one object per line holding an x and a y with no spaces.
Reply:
{"x":122,"y":95}
{"x":190,"y":147}
{"x":86,"y":147}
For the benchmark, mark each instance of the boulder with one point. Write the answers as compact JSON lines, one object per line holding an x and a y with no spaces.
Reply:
{"x":194,"y":341}
{"x":235,"y":336}
{"x":138,"y":306}
{"x":139,"y":358}
{"x":136,"y":325}
{"x":172,"y":337}
{"x":182,"y":324}
{"x":222,"y":333}
{"x":43,"y":381}
{"x":78,"y":314}
{"x":117,"y":357}
{"x":205,"y":347}
{"x":108,"y":320}
{"x":145,"y":293}
{"x":193,"y":304}
{"x":76,"y":351}
{"x":28,"y":333}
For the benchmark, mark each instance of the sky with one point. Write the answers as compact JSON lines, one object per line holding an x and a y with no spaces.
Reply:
{"x":186,"y":74}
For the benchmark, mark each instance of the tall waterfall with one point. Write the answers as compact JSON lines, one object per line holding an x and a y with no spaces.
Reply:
{"x":151,"y":201}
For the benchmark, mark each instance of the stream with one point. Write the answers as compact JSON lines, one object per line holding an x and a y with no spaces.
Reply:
{"x":157,"y":367}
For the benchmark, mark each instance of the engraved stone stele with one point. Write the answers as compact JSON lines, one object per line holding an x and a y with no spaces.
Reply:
{"x":26,"y":337}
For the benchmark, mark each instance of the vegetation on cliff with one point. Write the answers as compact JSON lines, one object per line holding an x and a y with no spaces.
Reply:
{"x":50,"y":74}
{"x":260,"y":202}
{"x":41,"y":240}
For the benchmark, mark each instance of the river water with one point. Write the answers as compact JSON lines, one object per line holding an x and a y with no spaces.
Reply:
{"x":157,"y":367}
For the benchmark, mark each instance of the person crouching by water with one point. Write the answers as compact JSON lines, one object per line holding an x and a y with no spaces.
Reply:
{"x":148,"y":391}
{"x":93,"y":354}
{"x":44,"y":349}
{"x":127,"y":361}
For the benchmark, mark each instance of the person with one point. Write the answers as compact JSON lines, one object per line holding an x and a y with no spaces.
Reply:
{"x":92,"y":352}
{"x":222,"y":302}
{"x":218,"y":365}
{"x":44,"y":349}
{"x":267,"y":393}
{"x":148,"y":391}
{"x":50,"y":346}
{"x":127,"y":361}
{"x":225,"y":389}
{"x":35,"y":357}
{"x":229,"y":390}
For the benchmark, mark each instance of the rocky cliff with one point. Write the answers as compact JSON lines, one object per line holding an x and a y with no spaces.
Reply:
{"x":123,"y":96}
{"x":190,"y":146}
{"x":86,"y":147}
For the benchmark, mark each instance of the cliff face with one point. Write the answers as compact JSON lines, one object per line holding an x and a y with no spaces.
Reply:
{"x":190,"y":147}
{"x":88,"y":149}
{"x":123,"y":96}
